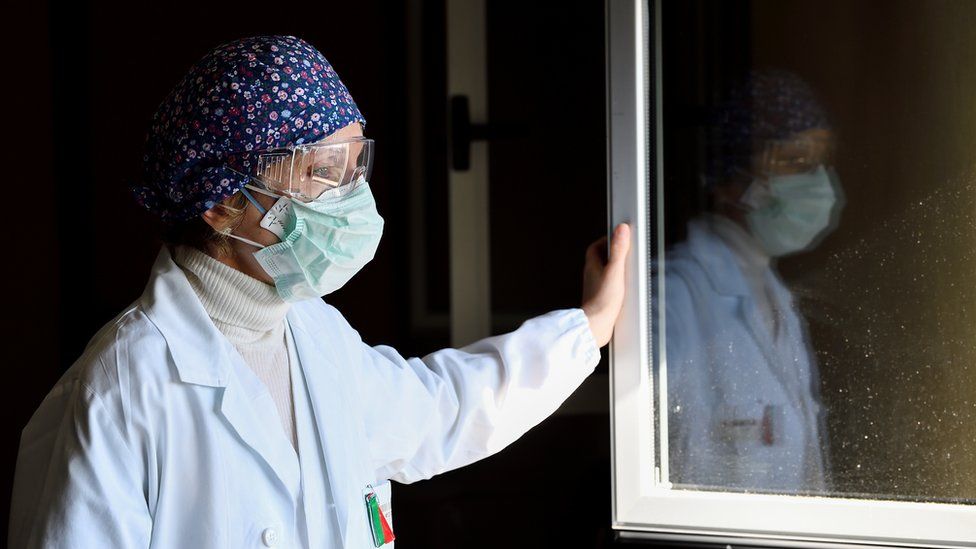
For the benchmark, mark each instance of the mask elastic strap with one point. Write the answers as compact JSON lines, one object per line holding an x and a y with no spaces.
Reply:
{"x":242,"y":239}
{"x":260,"y":209}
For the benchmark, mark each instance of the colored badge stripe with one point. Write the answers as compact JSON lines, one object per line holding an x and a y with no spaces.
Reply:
{"x":374,"y":520}
{"x":379,"y":523}
{"x":387,"y":531}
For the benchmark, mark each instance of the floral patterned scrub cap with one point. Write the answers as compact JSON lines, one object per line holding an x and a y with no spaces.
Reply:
{"x":768,"y":104}
{"x":245,"y":96}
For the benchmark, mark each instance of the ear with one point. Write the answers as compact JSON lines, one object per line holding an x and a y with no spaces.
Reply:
{"x":217,"y":217}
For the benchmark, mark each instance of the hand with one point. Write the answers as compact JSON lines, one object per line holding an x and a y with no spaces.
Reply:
{"x":603,"y":283}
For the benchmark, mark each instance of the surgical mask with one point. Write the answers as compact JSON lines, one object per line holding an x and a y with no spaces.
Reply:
{"x":323,"y":242}
{"x":788,"y":212}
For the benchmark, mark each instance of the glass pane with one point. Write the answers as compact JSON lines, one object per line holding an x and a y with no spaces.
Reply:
{"x":819,"y":265}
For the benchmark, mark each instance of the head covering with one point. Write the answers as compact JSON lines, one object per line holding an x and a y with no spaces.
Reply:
{"x":768,"y":104}
{"x":248,"y":95}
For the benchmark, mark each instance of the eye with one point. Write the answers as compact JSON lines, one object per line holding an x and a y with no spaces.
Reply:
{"x":793,"y":163}
{"x":327,"y":174}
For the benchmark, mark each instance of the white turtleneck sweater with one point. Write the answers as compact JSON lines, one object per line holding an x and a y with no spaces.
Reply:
{"x":252,"y":316}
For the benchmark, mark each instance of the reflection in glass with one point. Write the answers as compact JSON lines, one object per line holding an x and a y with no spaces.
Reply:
{"x":819,"y":338}
{"x":744,"y":410}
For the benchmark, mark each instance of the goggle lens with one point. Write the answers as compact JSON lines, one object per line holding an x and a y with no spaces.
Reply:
{"x":308,"y":171}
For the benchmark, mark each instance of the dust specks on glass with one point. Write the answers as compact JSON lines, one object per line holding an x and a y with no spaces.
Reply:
{"x":820,"y":259}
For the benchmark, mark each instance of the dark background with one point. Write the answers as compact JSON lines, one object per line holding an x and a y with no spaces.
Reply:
{"x":85,"y":79}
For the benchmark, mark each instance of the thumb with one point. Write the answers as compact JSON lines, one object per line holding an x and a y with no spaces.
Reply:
{"x":620,"y":246}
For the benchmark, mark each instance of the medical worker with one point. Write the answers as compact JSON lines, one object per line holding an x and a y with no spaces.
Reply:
{"x":230,"y":406}
{"x":744,"y":412}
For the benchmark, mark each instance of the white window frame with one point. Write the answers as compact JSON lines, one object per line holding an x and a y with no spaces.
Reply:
{"x":644,"y":505}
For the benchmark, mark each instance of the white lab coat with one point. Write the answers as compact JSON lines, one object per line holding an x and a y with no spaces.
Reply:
{"x":161,"y":436}
{"x":743,"y":410}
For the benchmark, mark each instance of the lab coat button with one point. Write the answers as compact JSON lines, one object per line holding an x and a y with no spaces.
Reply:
{"x":269,"y":537}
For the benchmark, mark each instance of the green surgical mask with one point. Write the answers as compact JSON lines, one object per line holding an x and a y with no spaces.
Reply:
{"x":789,"y":212}
{"x":323,"y":243}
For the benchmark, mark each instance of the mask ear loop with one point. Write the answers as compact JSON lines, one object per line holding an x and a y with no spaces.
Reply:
{"x":256,"y":204}
{"x":226,"y":232}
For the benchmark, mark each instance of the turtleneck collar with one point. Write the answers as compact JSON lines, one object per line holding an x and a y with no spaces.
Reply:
{"x":749,"y":254}
{"x":230,"y":297}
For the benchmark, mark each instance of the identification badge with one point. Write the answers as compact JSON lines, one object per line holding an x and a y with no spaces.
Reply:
{"x":760,"y":423}
{"x":379,"y":517}
{"x":277,"y":217}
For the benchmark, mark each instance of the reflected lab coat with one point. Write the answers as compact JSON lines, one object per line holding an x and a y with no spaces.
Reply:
{"x":744,"y":409}
{"x":161,"y":436}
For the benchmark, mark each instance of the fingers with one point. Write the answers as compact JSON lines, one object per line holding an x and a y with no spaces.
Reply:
{"x":596,"y":252}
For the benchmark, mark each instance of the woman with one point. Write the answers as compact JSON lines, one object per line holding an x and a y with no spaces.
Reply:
{"x":231,"y":407}
{"x":744,"y":406}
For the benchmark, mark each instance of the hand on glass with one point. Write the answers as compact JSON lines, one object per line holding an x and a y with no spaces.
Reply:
{"x":603,"y":283}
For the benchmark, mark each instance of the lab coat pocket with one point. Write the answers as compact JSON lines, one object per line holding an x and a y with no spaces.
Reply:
{"x":379,"y":513}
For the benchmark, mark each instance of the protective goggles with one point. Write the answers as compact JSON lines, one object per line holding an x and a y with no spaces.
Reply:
{"x":305,"y":172}
{"x":794,"y":156}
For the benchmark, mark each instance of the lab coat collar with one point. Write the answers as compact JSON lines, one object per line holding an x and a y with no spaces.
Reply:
{"x":203,"y":356}
{"x":716,"y":259}
{"x":191,"y":336}
{"x":250,"y":410}
{"x":331,"y":408}
{"x":724,"y":274}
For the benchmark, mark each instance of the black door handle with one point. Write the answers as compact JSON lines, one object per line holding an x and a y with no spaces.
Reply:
{"x":463,"y":132}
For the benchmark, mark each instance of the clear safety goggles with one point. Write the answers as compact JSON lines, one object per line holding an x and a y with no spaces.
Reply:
{"x":794,"y":156}
{"x":305,"y":172}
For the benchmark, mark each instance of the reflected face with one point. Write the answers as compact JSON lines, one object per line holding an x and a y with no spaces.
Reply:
{"x":803,"y":152}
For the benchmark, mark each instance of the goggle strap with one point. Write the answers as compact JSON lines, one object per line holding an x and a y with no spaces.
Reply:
{"x":263,"y":191}
{"x":253,"y":201}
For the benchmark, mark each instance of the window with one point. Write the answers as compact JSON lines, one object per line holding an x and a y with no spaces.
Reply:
{"x":796,"y":361}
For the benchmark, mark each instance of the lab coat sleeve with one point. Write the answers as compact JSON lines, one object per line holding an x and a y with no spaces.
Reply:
{"x":456,"y":406}
{"x":75,"y":484}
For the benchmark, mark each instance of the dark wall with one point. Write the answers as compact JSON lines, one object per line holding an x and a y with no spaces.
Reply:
{"x":31,"y":319}
{"x":547,"y":192}
{"x":546,"y":85}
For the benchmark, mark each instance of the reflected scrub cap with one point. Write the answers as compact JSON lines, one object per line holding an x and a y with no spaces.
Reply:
{"x":252,"y":94}
{"x":768,"y":104}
